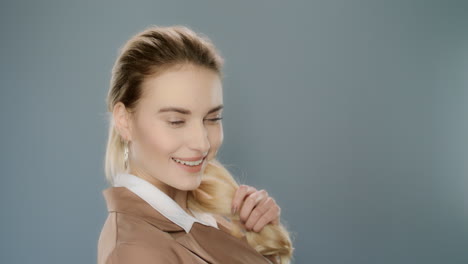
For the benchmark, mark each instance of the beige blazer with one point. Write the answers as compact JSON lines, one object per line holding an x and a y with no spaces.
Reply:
{"x":136,"y":233}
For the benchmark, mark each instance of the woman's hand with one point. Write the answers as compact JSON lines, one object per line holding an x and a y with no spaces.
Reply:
{"x":256,"y":209}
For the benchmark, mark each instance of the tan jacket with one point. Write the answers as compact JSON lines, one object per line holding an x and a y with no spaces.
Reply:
{"x":136,"y":233}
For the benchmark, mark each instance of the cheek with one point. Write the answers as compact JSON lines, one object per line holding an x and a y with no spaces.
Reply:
{"x":216,"y":138}
{"x":156,"y":142}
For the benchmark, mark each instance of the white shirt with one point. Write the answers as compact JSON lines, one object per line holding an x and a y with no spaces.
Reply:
{"x":162,"y":202}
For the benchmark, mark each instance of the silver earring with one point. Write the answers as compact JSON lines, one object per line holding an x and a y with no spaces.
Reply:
{"x":126,"y":155}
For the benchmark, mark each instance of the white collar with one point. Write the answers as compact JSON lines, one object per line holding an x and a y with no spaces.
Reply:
{"x":162,"y":202}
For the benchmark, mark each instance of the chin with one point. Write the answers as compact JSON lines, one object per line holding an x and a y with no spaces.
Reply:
{"x":190,"y":185}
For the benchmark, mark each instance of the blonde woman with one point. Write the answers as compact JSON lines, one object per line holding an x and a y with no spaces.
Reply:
{"x":171,"y":200}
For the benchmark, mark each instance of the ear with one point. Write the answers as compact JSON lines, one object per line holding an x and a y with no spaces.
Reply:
{"x":122,"y":121}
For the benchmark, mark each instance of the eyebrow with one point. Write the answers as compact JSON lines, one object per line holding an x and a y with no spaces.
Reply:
{"x":186,"y":111}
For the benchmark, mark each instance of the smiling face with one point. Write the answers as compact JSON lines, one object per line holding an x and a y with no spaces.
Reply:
{"x":177,"y":117}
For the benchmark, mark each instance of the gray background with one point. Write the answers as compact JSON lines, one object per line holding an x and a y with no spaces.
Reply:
{"x":351,"y":114}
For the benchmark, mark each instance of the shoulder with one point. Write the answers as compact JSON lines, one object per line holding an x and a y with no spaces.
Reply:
{"x":126,"y":253}
{"x":129,"y":229}
{"x":125,"y":237}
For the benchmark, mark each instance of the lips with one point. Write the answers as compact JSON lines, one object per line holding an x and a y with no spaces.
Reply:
{"x":184,"y":161}
{"x":188,"y":168}
{"x":190,"y":159}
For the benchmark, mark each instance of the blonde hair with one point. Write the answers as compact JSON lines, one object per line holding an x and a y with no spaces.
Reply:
{"x":149,"y":53}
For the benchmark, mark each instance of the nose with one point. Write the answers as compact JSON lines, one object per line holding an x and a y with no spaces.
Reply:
{"x":199,"y":139}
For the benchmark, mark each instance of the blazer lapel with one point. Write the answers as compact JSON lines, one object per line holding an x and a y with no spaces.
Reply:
{"x":222,"y":247}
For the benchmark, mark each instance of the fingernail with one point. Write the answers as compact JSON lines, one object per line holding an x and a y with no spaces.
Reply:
{"x":234,"y":210}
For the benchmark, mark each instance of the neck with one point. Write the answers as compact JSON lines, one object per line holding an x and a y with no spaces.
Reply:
{"x":179,"y":196}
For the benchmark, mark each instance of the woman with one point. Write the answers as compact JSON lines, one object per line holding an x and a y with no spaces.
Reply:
{"x":170,"y":200}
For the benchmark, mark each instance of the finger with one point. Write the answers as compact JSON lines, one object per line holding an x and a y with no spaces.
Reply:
{"x":250,"y":202}
{"x":240,"y":195}
{"x":258,"y":211}
{"x":277,"y":216}
{"x":272,"y":213}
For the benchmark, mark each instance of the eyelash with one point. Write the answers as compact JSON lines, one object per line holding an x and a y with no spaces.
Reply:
{"x":180,"y":122}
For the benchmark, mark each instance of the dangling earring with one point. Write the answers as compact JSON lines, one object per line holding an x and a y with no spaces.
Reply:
{"x":126,"y":155}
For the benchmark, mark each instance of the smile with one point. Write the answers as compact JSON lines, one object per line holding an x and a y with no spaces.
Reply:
{"x":189,"y":163}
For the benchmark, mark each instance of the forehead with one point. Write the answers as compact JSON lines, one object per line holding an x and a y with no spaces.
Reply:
{"x":192,"y":87}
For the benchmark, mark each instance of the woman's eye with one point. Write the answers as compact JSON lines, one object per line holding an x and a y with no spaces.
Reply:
{"x":215,"y":119}
{"x":175,"y":123}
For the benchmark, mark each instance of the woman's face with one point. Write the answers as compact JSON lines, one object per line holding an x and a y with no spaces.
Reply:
{"x":160,"y":133}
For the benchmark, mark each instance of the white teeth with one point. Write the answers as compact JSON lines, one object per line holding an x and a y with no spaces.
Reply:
{"x":188,"y":163}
